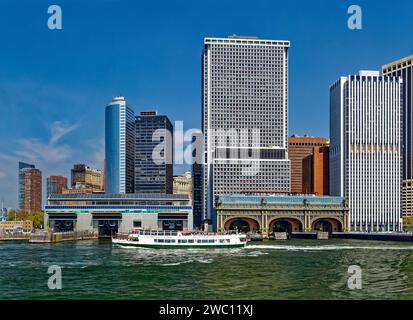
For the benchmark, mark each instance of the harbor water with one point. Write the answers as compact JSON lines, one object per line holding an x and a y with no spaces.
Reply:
{"x":293,"y":269}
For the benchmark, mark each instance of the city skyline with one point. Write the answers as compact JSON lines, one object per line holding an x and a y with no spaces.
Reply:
{"x":53,"y":138}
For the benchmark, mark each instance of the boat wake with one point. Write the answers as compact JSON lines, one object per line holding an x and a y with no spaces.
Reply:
{"x":205,"y":260}
{"x":256,"y":253}
{"x":327,"y":247}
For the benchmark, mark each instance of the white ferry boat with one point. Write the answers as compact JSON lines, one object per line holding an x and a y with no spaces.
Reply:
{"x":180,"y":239}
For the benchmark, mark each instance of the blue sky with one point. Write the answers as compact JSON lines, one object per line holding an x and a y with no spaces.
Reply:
{"x":54,"y":85}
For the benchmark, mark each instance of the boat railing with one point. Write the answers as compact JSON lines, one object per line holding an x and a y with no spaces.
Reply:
{"x":174,"y":233}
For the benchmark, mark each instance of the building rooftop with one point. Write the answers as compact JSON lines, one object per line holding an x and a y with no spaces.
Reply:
{"x":281,"y":199}
{"x":235,"y":36}
{"x":118,"y":100}
{"x":368,"y":73}
{"x":112,"y":196}
{"x":247,"y":40}
{"x":400,"y":61}
{"x":148,"y":113}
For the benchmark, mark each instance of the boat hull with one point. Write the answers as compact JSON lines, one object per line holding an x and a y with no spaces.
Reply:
{"x":182,"y":246}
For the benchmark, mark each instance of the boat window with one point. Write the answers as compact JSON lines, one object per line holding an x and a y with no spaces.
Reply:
{"x":211,"y":241}
{"x":161,"y":240}
{"x":155,"y":240}
{"x":174,"y":233}
{"x":191,"y":241}
{"x":205,"y":241}
{"x":199,"y":241}
{"x":182,"y":241}
{"x":147,"y":233}
{"x":227,"y":240}
{"x":221,"y":240}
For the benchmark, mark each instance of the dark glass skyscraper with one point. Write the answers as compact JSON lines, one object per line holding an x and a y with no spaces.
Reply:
{"x":197,"y":179}
{"x":153,"y":153}
{"x":119,"y":146}
{"x":197,"y":174}
{"x":22,"y":165}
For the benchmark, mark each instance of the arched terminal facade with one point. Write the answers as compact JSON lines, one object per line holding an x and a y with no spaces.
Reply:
{"x":269,"y":214}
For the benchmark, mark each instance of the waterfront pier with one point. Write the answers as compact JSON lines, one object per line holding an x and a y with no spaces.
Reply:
{"x":15,"y":237}
{"x":54,"y":237}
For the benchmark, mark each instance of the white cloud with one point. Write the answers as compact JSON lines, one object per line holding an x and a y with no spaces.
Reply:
{"x":59,"y":129}
{"x":36,"y":149}
{"x":52,"y":157}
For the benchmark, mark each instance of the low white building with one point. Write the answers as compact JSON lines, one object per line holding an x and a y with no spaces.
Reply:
{"x":109,"y":214}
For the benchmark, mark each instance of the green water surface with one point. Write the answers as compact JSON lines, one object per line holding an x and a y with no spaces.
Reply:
{"x":293,"y":269}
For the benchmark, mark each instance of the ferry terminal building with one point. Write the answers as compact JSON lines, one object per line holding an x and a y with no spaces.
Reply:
{"x":109,"y":214}
{"x":281,"y":213}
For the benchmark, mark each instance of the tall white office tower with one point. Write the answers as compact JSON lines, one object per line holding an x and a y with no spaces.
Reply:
{"x":366,"y":149}
{"x":245,"y":112}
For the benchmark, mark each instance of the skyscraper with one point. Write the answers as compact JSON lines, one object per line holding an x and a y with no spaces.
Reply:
{"x":56,"y":184}
{"x":197,"y":201}
{"x":298,"y":149}
{"x":153,"y":153}
{"x":22,"y":165}
{"x":119,"y":146}
{"x":32,"y":190}
{"x":403,"y":68}
{"x":366,"y":149}
{"x":245,"y":112}
{"x":197,"y":179}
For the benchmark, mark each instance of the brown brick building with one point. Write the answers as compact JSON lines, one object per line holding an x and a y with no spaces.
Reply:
{"x":298,"y":149}
{"x":56,"y":184}
{"x":85,"y":177}
{"x":32,"y":190}
{"x":316,"y":172}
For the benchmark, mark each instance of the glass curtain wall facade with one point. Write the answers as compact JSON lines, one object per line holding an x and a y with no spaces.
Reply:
{"x":153,"y":153}
{"x":119,"y":146}
{"x":22,"y":165}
